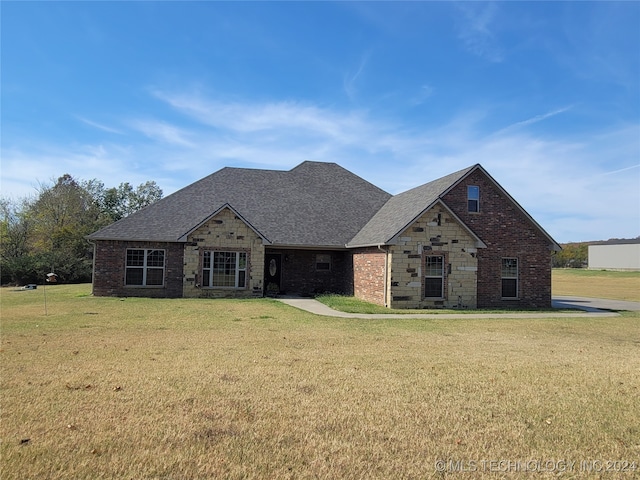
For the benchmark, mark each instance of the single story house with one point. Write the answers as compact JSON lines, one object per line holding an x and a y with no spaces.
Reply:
{"x":460,"y":241}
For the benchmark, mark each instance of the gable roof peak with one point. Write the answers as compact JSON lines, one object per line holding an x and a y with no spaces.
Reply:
{"x":402,"y":209}
{"x":311,"y":163}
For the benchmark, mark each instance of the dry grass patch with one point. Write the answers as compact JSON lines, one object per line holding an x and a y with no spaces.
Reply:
{"x":597,"y":284}
{"x":141,"y":388}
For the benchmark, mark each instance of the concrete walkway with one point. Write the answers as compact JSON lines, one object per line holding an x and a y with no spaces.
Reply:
{"x":587,"y":307}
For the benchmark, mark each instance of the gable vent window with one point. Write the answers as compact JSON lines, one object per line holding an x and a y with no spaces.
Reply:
{"x":224,"y":269}
{"x":473,"y":199}
{"x":144,"y":268}
{"x":323,"y":262}
{"x":509,"y":278}
{"x":434,"y":276}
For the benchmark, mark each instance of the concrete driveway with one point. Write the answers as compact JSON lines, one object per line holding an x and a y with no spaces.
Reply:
{"x":594,"y":304}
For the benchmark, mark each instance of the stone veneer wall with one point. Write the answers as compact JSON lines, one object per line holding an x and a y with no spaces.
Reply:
{"x":109,"y":269}
{"x":225,"y":232}
{"x":435,"y":233}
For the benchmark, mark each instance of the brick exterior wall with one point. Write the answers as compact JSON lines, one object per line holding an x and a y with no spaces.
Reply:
{"x":508,"y":233}
{"x":300,"y":276}
{"x":109,"y":270}
{"x":369,"y":275}
{"x":224,"y":232}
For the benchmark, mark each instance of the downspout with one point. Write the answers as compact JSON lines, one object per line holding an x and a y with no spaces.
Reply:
{"x":93,"y":265}
{"x":386,"y":274}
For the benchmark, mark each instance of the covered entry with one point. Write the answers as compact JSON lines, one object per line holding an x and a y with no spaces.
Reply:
{"x":308,"y":272}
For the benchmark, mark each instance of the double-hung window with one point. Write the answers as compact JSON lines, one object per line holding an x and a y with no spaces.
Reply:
{"x":509,"y":278}
{"x":224,"y":269}
{"x":434,"y":276}
{"x":144,"y":267}
{"x":473,"y":199}
{"x":323,"y":262}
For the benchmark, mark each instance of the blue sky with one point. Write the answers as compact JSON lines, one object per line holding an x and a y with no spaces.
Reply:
{"x":545,"y":95}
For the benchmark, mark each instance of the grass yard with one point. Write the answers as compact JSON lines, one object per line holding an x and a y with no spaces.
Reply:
{"x":596,"y":284}
{"x":104,"y":388}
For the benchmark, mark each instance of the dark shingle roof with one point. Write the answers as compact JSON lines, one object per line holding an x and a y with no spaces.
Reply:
{"x":314,"y":204}
{"x":403,"y":209}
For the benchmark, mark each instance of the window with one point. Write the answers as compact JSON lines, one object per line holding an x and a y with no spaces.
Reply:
{"x":145,"y":268}
{"x":323,"y":262}
{"x":434,"y":276}
{"x":509,"y":278}
{"x":224,"y":269}
{"x":473,"y":199}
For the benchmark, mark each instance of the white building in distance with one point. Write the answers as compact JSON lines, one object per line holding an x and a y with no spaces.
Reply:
{"x":614,"y":257}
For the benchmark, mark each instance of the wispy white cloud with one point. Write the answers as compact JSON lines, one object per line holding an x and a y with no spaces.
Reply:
{"x":424,"y":93}
{"x":621,"y":170}
{"x":568,"y":185}
{"x":535,"y":119}
{"x":23,"y":169}
{"x":99,"y":126}
{"x":162,"y":131}
{"x":305,"y":120}
{"x":351,"y":78}
{"x":475,"y":30}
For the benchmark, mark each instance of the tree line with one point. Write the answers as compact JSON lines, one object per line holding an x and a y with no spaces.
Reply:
{"x":47,"y":232}
{"x":572,"y":255}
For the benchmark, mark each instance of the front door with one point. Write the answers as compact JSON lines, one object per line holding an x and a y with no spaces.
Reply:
{"x":272,"y":273}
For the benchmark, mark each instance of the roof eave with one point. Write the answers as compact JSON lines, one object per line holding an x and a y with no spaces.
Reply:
{"x":366,"y":245}
{"x":128,"y":239}
{"x":294,"y":246}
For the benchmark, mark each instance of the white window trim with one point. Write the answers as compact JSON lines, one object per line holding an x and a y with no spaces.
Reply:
{"x":145,"y":267}
{"x":516,"y":278}
{"x":474,"y":199}
{"x":441,"y":277}
{"x":210,"y":270}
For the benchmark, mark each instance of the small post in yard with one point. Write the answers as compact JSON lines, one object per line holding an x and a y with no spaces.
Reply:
{"x":51,"y":278}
